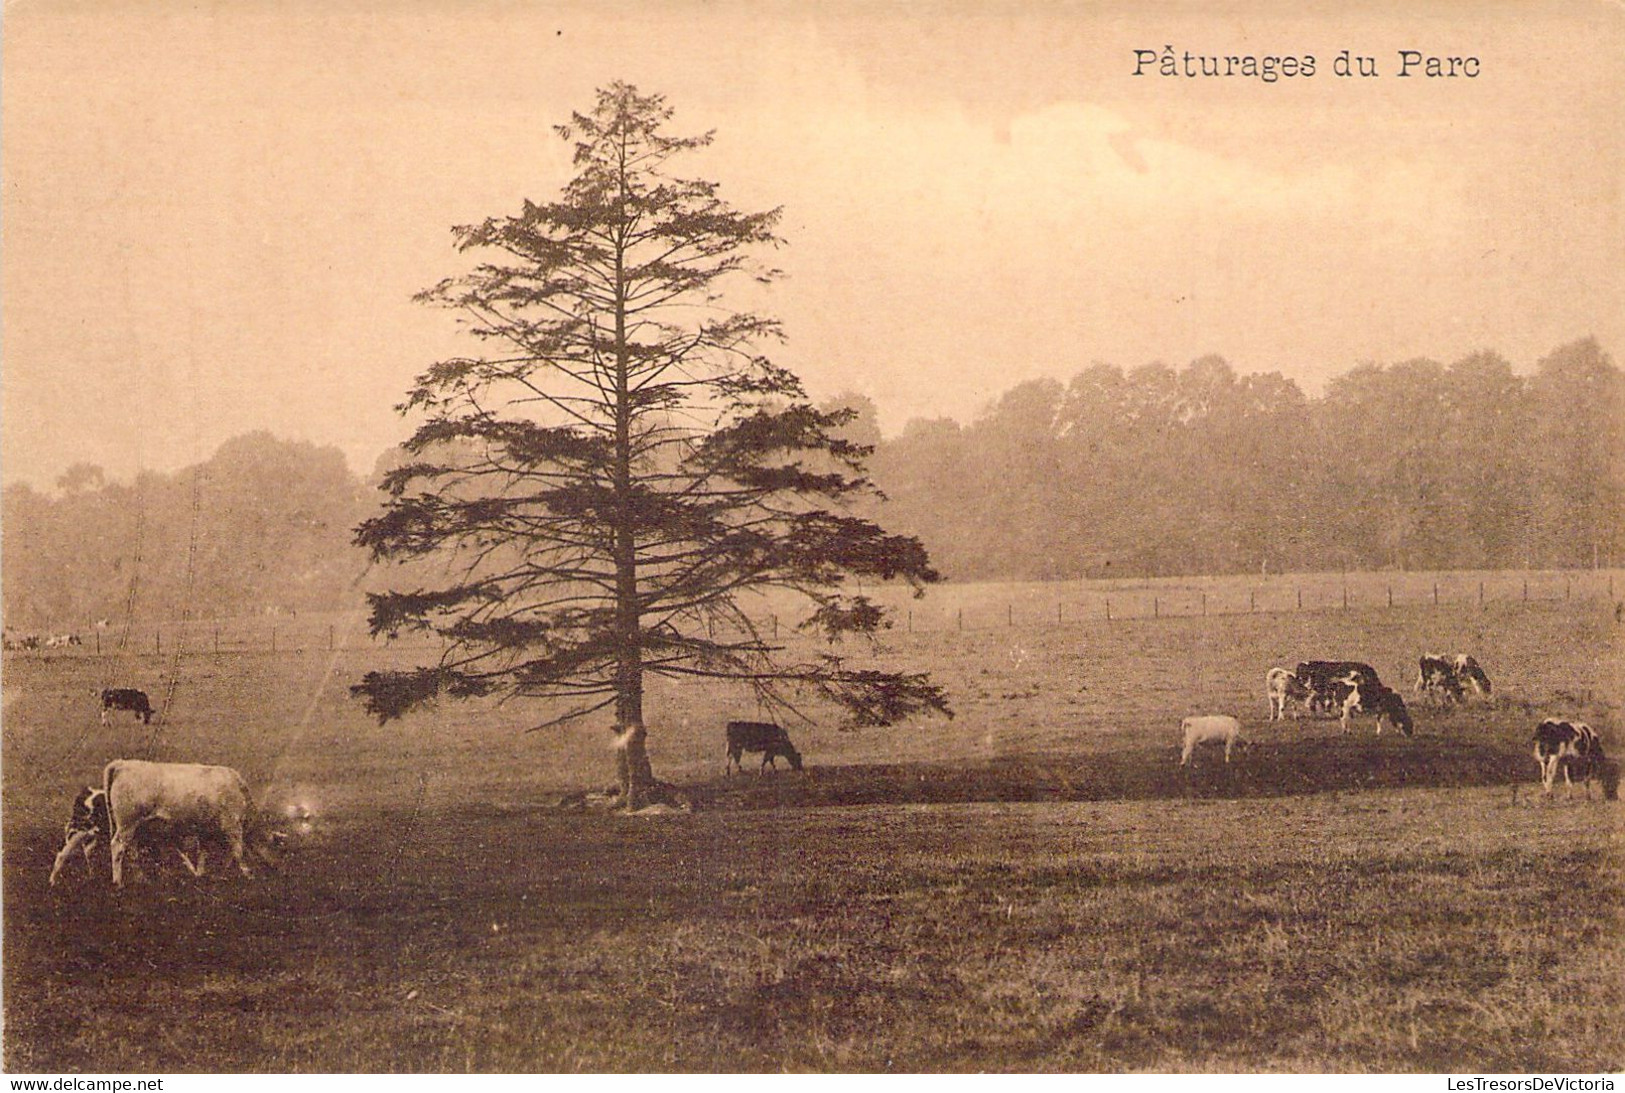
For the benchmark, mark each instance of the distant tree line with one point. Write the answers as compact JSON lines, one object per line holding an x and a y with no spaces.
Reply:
{"x":1157,"y":472}
{"x":1152,"y":471}
{"x":265,"y":526}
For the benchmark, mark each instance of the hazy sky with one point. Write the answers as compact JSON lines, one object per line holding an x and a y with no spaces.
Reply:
{"x":215,"y":214}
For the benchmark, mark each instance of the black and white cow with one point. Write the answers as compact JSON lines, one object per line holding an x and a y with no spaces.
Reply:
{"x":88,"y":827}
{"x":1382,"y":702}
{"x":126,"y":698}
{"x":1330,"y":681}
{"x":1570,"y":746}
{"x":1470,"y":675}
{"x":763,"y":736}
{"x":1437,"y":675}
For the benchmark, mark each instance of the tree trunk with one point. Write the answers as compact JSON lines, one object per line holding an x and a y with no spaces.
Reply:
{"x":632,"y":766}
{"x":631,"y":757}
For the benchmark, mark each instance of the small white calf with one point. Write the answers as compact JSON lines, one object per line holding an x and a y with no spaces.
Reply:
{"x":1280,"y":687}
{"x":1211,"y":729}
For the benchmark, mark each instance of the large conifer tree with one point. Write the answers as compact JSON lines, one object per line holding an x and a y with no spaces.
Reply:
{"x":623,"y":468}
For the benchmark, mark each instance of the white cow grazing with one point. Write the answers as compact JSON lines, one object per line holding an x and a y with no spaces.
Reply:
{"x":1210,"y":729}
{"x":190,"y":797}
{"x":1281,"y":686}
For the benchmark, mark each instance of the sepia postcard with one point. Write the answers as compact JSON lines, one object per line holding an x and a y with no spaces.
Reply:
{"x":836,"y":538}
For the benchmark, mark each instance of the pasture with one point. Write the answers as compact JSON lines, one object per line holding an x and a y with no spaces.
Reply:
{"x":1035,"y":885}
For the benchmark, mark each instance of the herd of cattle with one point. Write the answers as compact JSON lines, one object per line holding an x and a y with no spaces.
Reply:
{"x":15,"y":641}
{"x":12,"y":642}
{"x":1346,"y":687}
{"x":1320,"y":686}
{"x":151,"y":810}
{"x":1571,"y":748}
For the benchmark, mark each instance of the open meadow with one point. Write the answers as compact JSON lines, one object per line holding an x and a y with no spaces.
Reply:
{"x":1035,"y":885}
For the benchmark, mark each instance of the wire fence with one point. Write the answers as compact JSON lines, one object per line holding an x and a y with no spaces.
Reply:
{"x":1106,"y":602}
{"x":946,"y":608}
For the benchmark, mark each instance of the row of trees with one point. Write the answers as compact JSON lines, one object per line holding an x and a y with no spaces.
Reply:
{"x":264,"y":525}
{"x":1157,"y":471}
{"x":1147,"y":472}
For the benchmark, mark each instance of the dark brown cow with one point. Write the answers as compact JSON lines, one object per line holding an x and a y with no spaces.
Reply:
{"x":87,"y":825}
{"x":126,"y":698}
{"x":763,"y":736}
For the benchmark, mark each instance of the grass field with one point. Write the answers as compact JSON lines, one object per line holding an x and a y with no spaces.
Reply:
{"x":1034,"y":885}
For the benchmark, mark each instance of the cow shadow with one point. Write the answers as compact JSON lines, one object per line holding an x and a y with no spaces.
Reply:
{"x":1267,"y":769}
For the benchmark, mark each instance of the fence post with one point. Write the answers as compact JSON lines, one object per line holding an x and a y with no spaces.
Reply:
{"x":1345,"y":597}
{"x":1009,"y":614}
{"x":217,"y":639}
{"x":1058,"y":611}
{"x":962,"y":618}
{"x":1108,"y":610}
{"x":1481,"y":593}
{"x":158,"y":641}
{"x":1156,"y":608}
{"x":776,"y":624}
{"x":1435,"y":593}
{"x":273,"y":639}
{"x":1300,"y":599}
{"x":1252,"y":601}
{"x":98,"y":643}
{"x":1390,"y":595}
{"x":1526,"y":590}
{"x":1204,"y":603}
{"x":1567,"y":582}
